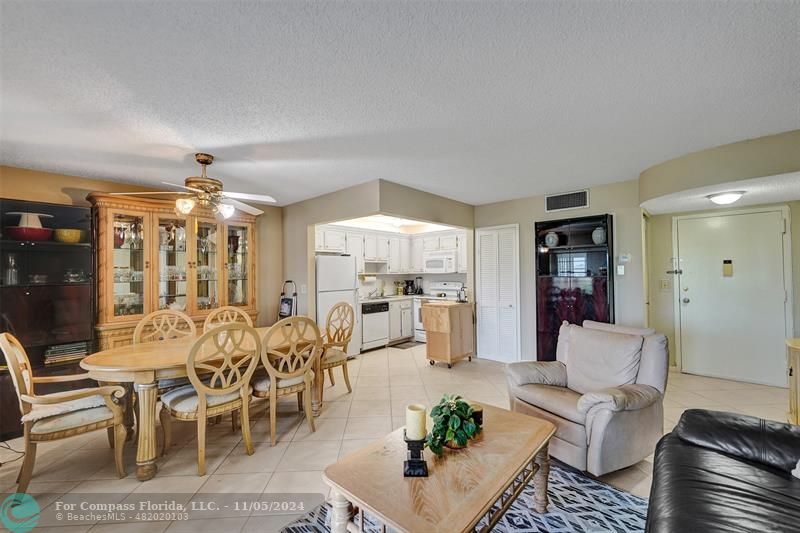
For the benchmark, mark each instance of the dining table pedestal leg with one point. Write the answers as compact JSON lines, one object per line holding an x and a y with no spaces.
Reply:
{"x":146,"y":451}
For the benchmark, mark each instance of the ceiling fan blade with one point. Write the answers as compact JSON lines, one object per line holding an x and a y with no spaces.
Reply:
{"x":252,"y":197}
{"x":181,"y":186}
{"x":244,"y":207}
{"x":145,"y":193}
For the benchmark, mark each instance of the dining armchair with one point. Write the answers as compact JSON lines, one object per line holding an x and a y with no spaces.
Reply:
{"x":339,"y":326}
{"x":56,"y":416}
{"x":290,"y":349}
{"x":226,"y":315}
{"x":226,"y":357}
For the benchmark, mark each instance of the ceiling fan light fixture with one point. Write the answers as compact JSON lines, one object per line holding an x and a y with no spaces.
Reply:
{"x":226,"y":210}
{"x":184,"y":206}
{"x":725,"y":198}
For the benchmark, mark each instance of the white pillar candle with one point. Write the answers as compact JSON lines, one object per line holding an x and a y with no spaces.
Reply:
{"x":415,"y":422}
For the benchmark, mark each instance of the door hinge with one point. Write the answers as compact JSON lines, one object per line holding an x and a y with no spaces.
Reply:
{"x":783,"y":232}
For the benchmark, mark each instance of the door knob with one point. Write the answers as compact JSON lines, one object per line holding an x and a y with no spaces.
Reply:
{"x":686,"y":300}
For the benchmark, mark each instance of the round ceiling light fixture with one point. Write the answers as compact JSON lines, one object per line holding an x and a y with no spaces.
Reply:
{"x":725,"y":198}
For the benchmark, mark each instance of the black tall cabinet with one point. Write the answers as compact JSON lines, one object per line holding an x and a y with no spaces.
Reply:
{"x":46,"y":299}
{"x":574,"y":277}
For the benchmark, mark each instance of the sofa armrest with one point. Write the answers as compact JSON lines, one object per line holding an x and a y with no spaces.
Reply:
{"x":622,"y":398}
{"x":537,"y":372}
{"x":763,"y":441}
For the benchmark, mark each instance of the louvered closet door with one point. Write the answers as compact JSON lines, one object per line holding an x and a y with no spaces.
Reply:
{"x":497,"y":293}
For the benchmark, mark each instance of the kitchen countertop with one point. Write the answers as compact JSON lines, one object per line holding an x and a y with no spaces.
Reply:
{"x":385,"y":299}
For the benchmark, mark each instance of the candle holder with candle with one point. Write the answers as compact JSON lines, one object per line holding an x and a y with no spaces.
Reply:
{"x":414,"y":435}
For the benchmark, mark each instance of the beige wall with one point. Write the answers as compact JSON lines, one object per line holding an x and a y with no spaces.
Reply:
{"x":753,"y":158}
{"x":619,"y":199}
{"x":37,"y":186}
{"x":660,"y":252}
{"x":399,"y":200}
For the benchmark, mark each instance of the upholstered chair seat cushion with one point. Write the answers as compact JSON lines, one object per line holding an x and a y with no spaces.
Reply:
{"x":72,"y":419}
{"x":170,"y":383}
{"x":185,"y":399}
{"x":263,"y":383}
{"x":560,"y":401}
{"x":40,"y":411}
{"x":334,"y":355}
{"x":600,"y":359}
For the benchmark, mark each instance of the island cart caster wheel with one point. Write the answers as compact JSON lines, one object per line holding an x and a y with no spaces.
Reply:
{"x":431,"y":363}
{"x":449,"y":365}
{"x":469,"y":358}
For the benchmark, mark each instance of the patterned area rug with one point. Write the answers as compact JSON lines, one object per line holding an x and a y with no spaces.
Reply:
{"x":577,"y":504}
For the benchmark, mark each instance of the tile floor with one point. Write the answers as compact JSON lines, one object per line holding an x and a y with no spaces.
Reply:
{"x":384,"y":382}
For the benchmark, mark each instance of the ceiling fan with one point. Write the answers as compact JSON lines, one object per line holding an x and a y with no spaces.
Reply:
{"x":207,"y":192}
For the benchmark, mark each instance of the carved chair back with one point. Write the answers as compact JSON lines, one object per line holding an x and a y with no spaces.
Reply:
{"x":290,"y":347}
{"x":20,"y":367}
{"x":225,"y":357}
{"x":339,"y":325}
{"x":226,"y":315}
{"x":164,"y":325}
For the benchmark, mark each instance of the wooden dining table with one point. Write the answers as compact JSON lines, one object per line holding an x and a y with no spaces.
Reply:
{"x":140,"y":366}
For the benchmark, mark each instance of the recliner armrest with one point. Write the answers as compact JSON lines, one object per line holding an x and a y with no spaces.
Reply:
{"x":622,"y":398}
{"x":537,"y":372}
{"x":763,"y":441}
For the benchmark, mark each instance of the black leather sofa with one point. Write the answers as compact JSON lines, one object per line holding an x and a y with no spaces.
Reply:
{"x":725,"y":472}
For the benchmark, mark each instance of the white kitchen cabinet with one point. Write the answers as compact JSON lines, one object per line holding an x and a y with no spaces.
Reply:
{"x":355,"y":247}
{"x":395,"y":321}
{"x":319,"y":239}
{"x":406,"y":318}
{"x":430,"y":244}
{"x":462,"y":252}
{"x":405,"y":255}
{"x":383,"y":248}
{"x":393,"y":264}
{"x":334,"y":240}
{"x":417,"y":259}
{"x":448,"y":242}
{"x":370,"y":246}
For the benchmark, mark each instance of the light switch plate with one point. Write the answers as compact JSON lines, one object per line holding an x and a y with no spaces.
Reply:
{"x":664,"y":285}
{"x":620,"y":270}
{"x":303,"y":289}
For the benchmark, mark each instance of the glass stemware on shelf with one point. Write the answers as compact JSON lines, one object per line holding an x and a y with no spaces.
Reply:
{"x":172,"y":264}
{"x":128,"y":273}
{"x":237,"y":265}
{"x":206,"y":267}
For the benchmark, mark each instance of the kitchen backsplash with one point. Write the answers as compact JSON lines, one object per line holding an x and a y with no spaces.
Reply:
{"x":388,"y":282}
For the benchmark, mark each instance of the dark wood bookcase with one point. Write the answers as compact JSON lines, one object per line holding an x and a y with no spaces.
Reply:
{"x":574,"y":277}
{"x":49,"y":302}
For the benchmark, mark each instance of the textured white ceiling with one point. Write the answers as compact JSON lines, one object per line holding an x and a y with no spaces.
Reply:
{"x":757,"y":191}
{"x":474,"y":101}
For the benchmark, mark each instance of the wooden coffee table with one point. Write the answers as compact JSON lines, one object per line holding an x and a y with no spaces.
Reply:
{"x":462,"y":486}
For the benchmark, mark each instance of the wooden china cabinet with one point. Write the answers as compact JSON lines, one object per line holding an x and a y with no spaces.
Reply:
{"x":150,"y":258}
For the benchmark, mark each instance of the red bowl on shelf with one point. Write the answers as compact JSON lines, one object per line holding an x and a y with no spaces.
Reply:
{"x":20,"y":233}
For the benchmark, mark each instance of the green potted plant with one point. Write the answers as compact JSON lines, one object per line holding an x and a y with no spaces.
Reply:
{"x":453,"y":424}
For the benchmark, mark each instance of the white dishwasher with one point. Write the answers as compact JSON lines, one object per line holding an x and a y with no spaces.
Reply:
{"x":374,"y":325}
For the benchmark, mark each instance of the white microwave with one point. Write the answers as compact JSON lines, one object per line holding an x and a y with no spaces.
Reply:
{"x":440,"y":262}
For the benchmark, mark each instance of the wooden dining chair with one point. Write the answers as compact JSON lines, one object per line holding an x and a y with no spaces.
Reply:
{"x":226,"y":315}
{"x":165,"y":325}
{"x":56,"y":416}
{"x":229,"y":354}
{"x":289,"y":352}
{"x":339,"y":326}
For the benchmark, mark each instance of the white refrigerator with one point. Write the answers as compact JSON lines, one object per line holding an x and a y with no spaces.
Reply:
{"x":337,"y":282}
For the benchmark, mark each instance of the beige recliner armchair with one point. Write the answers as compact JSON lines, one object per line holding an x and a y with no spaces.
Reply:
{"x":604,"y":393}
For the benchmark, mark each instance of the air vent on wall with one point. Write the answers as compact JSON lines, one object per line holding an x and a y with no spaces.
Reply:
{"x":567,"y":200}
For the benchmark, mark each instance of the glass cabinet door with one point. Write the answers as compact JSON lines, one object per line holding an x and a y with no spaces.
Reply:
{"x":172,"y":264}
{"x":130,"y":263}
{"x":207,"y":264}
{"x":237,"y":266}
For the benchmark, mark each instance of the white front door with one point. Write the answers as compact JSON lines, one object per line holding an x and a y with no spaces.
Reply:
{"x":731,"y":296}
{"x":497,"y":292}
